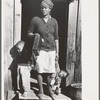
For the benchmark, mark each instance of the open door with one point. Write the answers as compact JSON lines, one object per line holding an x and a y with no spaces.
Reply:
{"x":31,"y":8}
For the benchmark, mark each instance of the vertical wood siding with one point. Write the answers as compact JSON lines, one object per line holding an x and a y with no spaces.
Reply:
{"x":73,"y":42}
{"x":11,"y":35}
{"x":78,"y":69}
{"x":7,"y":42}
{"x":17,"y":21}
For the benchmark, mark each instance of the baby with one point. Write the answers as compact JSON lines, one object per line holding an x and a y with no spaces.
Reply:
{"x":56,"y":79}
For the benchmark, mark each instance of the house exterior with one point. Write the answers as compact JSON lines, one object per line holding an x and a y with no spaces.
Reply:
{"x":13,"y":29}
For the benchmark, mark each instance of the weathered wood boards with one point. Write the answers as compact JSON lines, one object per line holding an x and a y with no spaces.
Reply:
{"x":11,"y":33}
{"x":7,"y":33}
{"x":78,"y":68}
{"x":17,"y":20}
{"x":12,"y":96}
{"x":73,"y":41}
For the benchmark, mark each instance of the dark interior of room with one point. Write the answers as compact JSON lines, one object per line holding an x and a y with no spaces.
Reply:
{"x":30,"y":8}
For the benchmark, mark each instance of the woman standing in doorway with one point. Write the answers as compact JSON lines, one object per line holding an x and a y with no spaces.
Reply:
{"x":47,"y":27}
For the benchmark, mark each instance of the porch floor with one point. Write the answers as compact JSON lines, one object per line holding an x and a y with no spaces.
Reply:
{"x":32,"y":95}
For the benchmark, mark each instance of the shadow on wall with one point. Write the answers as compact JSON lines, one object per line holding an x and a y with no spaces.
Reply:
{"x":13,"y":69}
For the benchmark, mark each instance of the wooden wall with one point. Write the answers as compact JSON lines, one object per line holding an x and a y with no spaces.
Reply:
{"x":78,"y":66}
{"x":11,"y":23}
{"x":7,"y":42}
{"x":73,"y":58}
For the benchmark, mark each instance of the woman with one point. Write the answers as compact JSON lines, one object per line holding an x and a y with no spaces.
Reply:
{"x":47,"y":28}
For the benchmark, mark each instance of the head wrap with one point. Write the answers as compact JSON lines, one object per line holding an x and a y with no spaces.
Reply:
{"x":47,"y":3}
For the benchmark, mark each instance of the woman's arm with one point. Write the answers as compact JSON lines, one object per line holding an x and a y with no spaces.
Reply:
{"x":57,"y":48}
{"x":56,"y":39}
{"x":30,"y":32}
{"x":31,"y":35}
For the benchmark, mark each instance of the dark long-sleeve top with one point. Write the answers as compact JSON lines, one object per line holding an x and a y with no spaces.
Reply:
{"x":48,"y":31}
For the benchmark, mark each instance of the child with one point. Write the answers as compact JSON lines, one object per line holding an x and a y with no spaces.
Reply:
{"x":56,"y":79}
{"x":18,"y":53}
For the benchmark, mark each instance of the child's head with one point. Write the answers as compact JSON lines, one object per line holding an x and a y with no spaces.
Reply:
{"x":16,"y":50}
{"x":63,"y":74}
{"x":19,"y":46}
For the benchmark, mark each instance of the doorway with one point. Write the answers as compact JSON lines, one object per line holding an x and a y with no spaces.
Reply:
{"x":30,"y":8}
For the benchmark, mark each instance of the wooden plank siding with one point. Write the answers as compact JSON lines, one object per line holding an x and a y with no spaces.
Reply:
{"x":7,"y":42}
{"x":17,"y":21}
{"x":73,"y":42}
{"x":11,"y":25}
{"x":78,"y":67}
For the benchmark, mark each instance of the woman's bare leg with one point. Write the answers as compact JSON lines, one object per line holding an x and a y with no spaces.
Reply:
{"x":40,"y":80}
{"x":50,"y":88}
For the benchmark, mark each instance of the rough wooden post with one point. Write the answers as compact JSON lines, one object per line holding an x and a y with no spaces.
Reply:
{"x":11,"y":33}
{"x":78,"y":72}
{"x":71,"y":39}
{"x":7,"y":38}
{"x":17,"y":20}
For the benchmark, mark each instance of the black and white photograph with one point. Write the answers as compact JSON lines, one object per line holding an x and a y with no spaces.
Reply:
{"x":42,"y":50}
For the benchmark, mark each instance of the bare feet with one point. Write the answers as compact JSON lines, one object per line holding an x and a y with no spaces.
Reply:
{"x":52,"y":96}
{"x":40,"y":95}
{"x":25,"y":94}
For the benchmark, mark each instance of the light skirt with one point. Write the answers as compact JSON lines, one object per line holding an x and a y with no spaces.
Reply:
{"x":46,"y":62}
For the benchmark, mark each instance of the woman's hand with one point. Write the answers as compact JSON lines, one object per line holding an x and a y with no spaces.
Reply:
{"x":31,"y":35}
{"x":57,"y":56}
{"x":57,"y":48}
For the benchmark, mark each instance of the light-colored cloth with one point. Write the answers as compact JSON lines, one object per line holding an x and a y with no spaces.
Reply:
{"x":46,"y":62}
{"x":23,"y":71}
{"x":47,"y":3}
